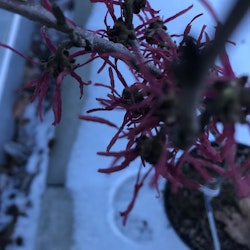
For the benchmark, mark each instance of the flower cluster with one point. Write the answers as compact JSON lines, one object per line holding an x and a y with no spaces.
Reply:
{"x":171,"y":120}
{"x":58,"y":65}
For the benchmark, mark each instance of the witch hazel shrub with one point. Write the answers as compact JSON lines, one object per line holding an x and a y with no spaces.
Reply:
{"x":180,"y":108}
{"x":171,"y":116}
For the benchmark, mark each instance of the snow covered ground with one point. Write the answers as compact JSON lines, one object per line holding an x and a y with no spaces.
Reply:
{"x":98,"y":198}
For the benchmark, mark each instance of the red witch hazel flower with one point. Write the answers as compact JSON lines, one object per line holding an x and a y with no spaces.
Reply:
{"x":59,"y":65}
{"x":169,"y":121}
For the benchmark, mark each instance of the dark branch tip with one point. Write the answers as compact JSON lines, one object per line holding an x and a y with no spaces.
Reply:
{"x":58,"y":13}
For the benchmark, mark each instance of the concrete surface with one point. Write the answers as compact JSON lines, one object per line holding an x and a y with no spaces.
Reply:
{"x":56,"y":222}
{"x":55,"y":229}
{"x":66,"y":131}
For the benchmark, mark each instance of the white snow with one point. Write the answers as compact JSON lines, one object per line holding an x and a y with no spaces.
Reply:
{"x":39,"y":134}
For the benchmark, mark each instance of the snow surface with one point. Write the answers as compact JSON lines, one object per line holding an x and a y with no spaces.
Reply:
{"x":99,"y":198}
{"x":38,"y":135}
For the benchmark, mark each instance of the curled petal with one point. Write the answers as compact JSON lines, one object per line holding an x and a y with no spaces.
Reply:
{"x":47,"y":5}
{"x":49,"y":43}
{"x":80,"y":81}
{"x":178,"y":14}
{"x":97,"y":119}
{"x":129,"y":155}
{"x":57,"y":99}
{"x":18,"y":53}
{"x":138,"y":185}
{"x":41,"y":86}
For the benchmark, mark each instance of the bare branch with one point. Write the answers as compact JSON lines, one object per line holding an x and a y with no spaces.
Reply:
{"x":31,"y":11}
{"x":37,"y":13}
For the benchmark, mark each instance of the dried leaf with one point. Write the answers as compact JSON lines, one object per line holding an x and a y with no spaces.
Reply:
{"x":235,"y":225}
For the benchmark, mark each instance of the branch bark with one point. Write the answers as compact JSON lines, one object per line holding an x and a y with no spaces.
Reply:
{"x":37,"y":13}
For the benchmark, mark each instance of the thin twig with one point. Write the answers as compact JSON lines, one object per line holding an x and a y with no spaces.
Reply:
{"x":224,"y":32}
{"x":186,"y":131}
{"x":37,"y":13}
